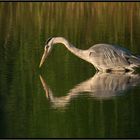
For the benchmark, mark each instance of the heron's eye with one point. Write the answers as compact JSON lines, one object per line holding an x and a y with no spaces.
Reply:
{"x":47,"y":41}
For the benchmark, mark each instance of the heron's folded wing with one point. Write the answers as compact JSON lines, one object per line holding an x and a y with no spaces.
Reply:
{"x":108,"y":56}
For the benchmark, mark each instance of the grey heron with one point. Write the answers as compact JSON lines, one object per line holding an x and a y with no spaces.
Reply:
{"x":104,"y":57}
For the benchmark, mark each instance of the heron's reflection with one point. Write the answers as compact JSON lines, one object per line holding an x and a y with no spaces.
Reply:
{"x":100,"y":86}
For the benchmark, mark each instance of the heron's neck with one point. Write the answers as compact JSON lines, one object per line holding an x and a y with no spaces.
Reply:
{"x":78,"y":52}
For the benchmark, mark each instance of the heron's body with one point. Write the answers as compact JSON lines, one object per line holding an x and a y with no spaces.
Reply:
{"x":104,"y":57}
{"x":109,"y":57}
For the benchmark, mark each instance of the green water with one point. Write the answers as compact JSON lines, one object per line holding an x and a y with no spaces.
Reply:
{"x":76,"y":102}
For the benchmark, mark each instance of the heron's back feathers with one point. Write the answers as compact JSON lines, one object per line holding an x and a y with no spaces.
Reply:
{"x":106,"y":56}
{"x":134,"y":60}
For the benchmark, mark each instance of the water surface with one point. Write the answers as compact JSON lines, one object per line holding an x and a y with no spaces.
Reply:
{"x":66,"y":98}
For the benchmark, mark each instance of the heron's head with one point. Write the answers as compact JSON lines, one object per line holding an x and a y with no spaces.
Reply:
{"x":47,"y":50}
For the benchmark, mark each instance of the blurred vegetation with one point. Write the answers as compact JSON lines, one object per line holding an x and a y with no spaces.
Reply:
{"x":70,"y":19}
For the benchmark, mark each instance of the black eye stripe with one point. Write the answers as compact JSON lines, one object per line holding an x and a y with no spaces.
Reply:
{"x":48,"y":40}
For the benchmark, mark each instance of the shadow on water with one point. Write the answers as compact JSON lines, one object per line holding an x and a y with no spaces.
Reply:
{"x":101,"y":86}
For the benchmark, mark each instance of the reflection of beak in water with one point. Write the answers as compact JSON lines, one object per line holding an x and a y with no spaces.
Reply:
{"x":100,"y":86}
{"x":56,"y":101}
{"x":45,"y":86}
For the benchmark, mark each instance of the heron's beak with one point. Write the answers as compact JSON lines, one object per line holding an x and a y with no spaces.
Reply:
{"x":45,"y":54}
